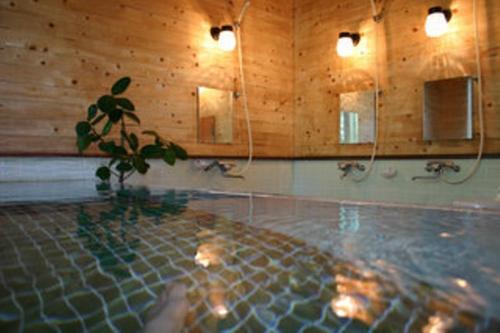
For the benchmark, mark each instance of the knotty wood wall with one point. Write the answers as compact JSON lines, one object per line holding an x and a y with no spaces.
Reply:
{"x":406,"y":58}
{"x":58,"y":56}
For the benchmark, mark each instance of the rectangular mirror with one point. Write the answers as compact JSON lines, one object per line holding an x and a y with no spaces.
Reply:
{"x":357,"y":117}
{"x":215,"y":115}
{"x":448,"y":106}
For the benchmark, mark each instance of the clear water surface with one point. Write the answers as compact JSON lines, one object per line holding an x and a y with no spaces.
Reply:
{"x":250,"y":263}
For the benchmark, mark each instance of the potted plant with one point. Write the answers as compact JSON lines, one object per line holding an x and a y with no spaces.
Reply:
{"x":127,"y":154}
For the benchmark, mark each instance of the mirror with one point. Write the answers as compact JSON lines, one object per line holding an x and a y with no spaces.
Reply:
{"x":357,"y":117}
{"x":448,"y":106}
{"x":215,"y":115}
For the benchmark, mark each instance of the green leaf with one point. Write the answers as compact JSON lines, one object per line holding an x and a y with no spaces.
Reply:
{"x":113,"y":161}
{"x":106,"y":103}
{"x":134,"y":141}
{"x":103,"y":187}
{"x":169,"y":156}
{"x":125,"y":103}
{"x":120,"y":86}
{"x":107,"y":147}
{"x":91,"y":112}
{"x":83,"y":128}
{"x":83,"y":142}
{"x":119,"y":151}
{"x":131,"y":139}
{"x":133,"y":117}
{"x":111,"y":148}
{"x":152,"y":151}
{"x":124,"y":167}
{"x":179,"y":151}
{"x":115,"y":115}
{"x":152,"y":133}
{"x":140,"y":164}
{"x":124,"y":134}
{"x":107,"y":128}
{"x":98,"y":119}
{"x":103,"y":173}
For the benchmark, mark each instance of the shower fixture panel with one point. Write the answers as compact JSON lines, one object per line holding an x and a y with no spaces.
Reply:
{"x":448,"y":109}
{"x":357,"y":117}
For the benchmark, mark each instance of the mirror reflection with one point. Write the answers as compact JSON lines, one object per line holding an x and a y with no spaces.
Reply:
{"x":448,"y":106}
{"x":357,"y":117}
{"x":215,"y":115}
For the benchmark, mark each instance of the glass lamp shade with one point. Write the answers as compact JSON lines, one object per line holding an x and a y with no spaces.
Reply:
{"x":436,"y":24}
{"x":227,"y":40}
{"x":345,"y":46}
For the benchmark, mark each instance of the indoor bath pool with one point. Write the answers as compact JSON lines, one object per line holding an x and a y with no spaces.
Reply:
{"x":247,"y":263}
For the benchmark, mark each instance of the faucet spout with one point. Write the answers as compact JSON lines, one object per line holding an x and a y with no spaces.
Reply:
{"x":224,"y":168}
{"x":437,"y":168}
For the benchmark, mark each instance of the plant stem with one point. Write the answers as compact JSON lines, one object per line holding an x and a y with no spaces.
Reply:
{"x":130,"y":174}
{"x":122,"y":143}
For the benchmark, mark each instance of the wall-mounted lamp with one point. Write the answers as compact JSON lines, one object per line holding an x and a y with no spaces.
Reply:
{"x":346,"y":43}
{"x":225,"y":37}
{"x":437,"y":20}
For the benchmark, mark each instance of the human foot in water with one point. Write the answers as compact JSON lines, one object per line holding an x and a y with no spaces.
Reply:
{"x":169,"y":312}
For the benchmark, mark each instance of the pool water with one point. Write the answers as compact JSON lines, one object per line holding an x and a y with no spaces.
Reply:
{"x":250,"y":264}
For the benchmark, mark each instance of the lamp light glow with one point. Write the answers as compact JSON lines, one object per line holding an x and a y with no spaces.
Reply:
{"x":436,"y":24}
{"x":346,"y":44}
{"x":225,"y":37}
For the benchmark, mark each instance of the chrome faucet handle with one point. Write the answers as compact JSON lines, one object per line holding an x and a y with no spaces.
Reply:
{"x":451,"y":165}
{"x":434,"y":166}
{"x":438,"y":166}
{"x":348,"y":166}
{"x":360,"y":166}
{"x":344,"y":165}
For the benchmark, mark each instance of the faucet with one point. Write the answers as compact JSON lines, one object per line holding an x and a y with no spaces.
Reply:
{"x":224,"y":167}
{"x":437,"y":168}
{"x":348,"y":167}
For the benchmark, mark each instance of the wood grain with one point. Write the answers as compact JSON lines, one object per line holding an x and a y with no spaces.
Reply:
{"x":406,"y":59}
{"x":57,"y":56}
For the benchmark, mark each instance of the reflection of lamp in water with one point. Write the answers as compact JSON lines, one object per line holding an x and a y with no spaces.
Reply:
{"x":201,"y":260}
{"x":357,"y":298}
{"x":216,"y":296}
{"x":208,"y":254}
{"x":221,"y":311}
{"x":345,"y":306}
{"x":438,"y":324}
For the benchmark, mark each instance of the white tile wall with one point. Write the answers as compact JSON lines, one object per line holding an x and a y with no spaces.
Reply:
{"x":321,"y":178}
{"x":305,"y":178}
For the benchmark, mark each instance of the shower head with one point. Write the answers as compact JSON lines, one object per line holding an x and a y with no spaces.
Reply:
{"x":243,"y":11}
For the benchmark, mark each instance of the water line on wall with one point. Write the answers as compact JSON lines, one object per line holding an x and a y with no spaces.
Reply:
{"x":244,"y":91}
{"x":476,"y":164}
{"x":369,"y":168}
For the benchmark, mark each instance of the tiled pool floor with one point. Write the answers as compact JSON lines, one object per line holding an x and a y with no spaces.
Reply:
{"x":269,"y":264}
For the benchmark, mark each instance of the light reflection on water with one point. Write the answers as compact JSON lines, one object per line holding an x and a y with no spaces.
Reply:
{"x":287,"y":265}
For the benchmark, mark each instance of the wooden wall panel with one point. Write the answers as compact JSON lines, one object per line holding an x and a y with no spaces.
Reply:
{"x":57,"y":56}
{"x":406,"y":58}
